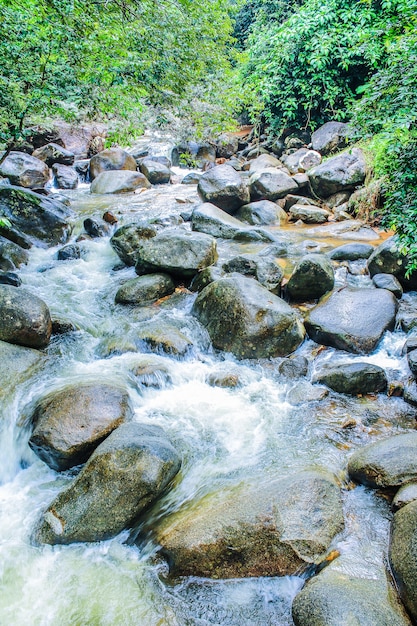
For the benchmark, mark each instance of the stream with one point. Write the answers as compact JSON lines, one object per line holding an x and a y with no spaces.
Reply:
{"x":250,"y":431}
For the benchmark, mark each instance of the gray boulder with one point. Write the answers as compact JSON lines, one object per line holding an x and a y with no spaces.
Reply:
{"x":244,"y":318}
{"x":72,"y":422}
{"x":226,"y":145}
{"x":402,"y":555}
{"x":405,"y":494}
{"x":272,"y":528}
{"x":412,"y":362}
{"x":293,"y":367}
{"x":335,"y":598}
{"x":53,"y":153}
{"x":309,"y":214}
{"x":12,"y":256}
{"x":388,"y":281}
{"x":271,"y":184}
{"x":70,"y":252}
{"x":351,"y":252}
{"x":263,"y":162}
{"x":180,"y":253}
{"x":192,"y":178}
{"x":352,"y":378}
{"x":339,"y":173}
{"x":163,"y":336}
{"x":301,"y":160}
{"x":223,"y":187}
{"x":24,"y":170}
{"x":39,"y":220}
{"x":145,"y":289}
{"x":17,"y":364}
{"x":65,"y":177}
{"x":263,"y":212}
{"x":352,"y":319}
{"x":261,"y":267}
{"x":111,"y":159}
{"x":126,"y":240}
{"x":119,"y":181}
{"x":387,"y":259}
{"x":330,"y":137}
{"x":387,"y":463}
{"x":157,"y":173}
{"x":24,"y":318}
{"x":304,"y":392}
{"x":311,"y":278}
{"x":208,"y":218}
{"x":124,"y":475}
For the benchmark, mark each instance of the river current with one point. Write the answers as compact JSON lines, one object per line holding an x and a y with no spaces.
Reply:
{"x":249,"y":432}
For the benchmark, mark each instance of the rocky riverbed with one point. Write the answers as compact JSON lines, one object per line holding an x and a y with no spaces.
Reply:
{"x":208,"y":397}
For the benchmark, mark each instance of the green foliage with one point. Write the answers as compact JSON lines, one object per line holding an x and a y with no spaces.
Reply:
{"x":308,"y":69}
{"x":73,"y":58}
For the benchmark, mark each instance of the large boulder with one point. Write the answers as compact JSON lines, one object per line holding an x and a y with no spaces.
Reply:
{"x":226,"y":145}
{"x":65,"y":177}
{"x":387,"y":463}
{"x":403,"y":555}
{"x":244,"y":318}
{"x":336,"y":598}
{"x":24,"y":170}
{"x":223,"y":187}
{"x":309,"y":214}
{"x":330,"y":137}
{"x":339,"y":173}
{"x":111,"y":159}
{"x":263,"y":212}
{"x":123,"y":476}
{"x":12,"y":256}
{"x":127,"y":239}
{"x":351,"y":252}
{"x":352,"y":378}
{"x":312,"y":277}
{"x":41,"y":220}
{"x":352,"y":319}
{"x":157,"y":173}
{"x":271,"y":184}
{"x":388,"y":259}
{"x":178,"y":252}
{"x":271,"y":528}
{"x":119,"y":181}
{"x":24,"y":318}
{"x":145,"y":289}
{"x":53,"y":153}
{"x":260,"y":266}
{"x":208,"y":218}
{"x":301,"y":160}
{"x":72,"y":422}
{"x":263,"y":162}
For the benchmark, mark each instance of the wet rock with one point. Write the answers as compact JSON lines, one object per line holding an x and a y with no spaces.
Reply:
{"x":330,"y":137}
{"x":180,"y":253}
{"x":271,"y":184}
{"x":125,"y":474}
{"x":127,"y":239}
{"x":352,"y":378}
{"x":53,"y":153}
{"x":205,"y":277}
{"x":352,"y":319}
{"x":304,"y":392}
{"x":311,"y":278}
{"x":162,"y":335}
{"x":405,"y":494}
{"x":110,"y":218}
{"x":264,"y":269}
{"x":62,"y":326}
{"x":410,"y":393}
{"x":267,"y":529}
{"x":339,"y":173}
{"x":223,"y":380}
{"x":82,"y":168}
{"x":244,"y":318}
{"x":334,"y":598}
{"x":410,"y":344}
{"x":145,"y":289}
{"x":192,"y":178}
{"x":263,"y":212}
{"x":387,"y":463}
{"x":387,"y":259}
{"x":151,"y":372}
{"x":65,"y":177}
{"x":293,"y":367}
{"x":226,"y":145}
{"x":111,"y":159}
{"x":309,"y":214}
{"x":223,"y":187}
{"x":402,"y":555}
{"x":155,"y":172}
{"x":72,"y":422}
{"x":70,"y":252}
{"x":96,"y":227}
{"x":24,"y":318}
{"x":17,"y":364}
{"x":37,"y":219}
{"x":119,"y":181}
{"x":351,"y":252}
{"x":209,"y":219}
{"x":351,"y":229}
{"x":10,"y":278}
{"x":263,"y":162}
{"x":12,"y":256}
{"x":24,"y":170}
{"x":412,"y":362}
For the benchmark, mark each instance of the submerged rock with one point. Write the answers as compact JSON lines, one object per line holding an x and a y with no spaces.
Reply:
{"x":244,"y":318}
{"x":24,"y":318}
{"x":387,"y":463}
{"x":125,"y":474}
{"x":267,"y":529}
{"x":352,"y":319}
{"x":72,"y":422}
{"x":402,"y":555}
{"x":352,"y":378}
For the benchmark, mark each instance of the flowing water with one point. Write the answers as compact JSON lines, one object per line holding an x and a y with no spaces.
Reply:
{"x":223,"y":434}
